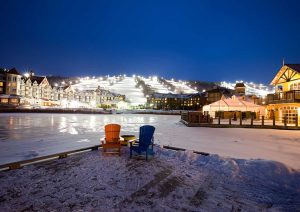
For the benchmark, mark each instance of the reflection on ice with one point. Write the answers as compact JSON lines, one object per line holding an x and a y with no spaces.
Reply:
{"x":29,"y":126}
{"x":51,"y":133}
{"x":83,"y":140}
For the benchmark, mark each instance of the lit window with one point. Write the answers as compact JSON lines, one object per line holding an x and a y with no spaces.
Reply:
{"x":4,"y":100}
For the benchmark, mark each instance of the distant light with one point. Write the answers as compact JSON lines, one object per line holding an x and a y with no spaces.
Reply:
{"x":26,"y":74}
{"x":203,"y":90}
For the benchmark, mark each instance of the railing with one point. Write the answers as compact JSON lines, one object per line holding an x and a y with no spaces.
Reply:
{"x":19,"y":164}
{"x":195,"y":117}
{"x":284,"y":123}
{"x":284,"y":97}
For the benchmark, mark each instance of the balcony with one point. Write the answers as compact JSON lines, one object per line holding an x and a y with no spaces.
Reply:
{"x":284,"y":97}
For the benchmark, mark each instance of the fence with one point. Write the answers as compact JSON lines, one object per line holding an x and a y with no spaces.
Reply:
{"x":259,"y":122}
{"x":195,"y":118}
{"x":19,"y":164}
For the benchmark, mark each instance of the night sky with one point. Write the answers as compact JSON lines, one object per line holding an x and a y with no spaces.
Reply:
{"x":200,"y":40}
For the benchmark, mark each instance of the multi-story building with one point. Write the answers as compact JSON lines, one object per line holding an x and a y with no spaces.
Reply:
{"x":176,"y":101}
{"x":13,"y":82}
{"x":9,"y":87}
{"x":285,"y":103}
{"x":29,"y":89}
{"x":2,"y":81}
{"x":240,"y":88}
{"x":217,"y":93}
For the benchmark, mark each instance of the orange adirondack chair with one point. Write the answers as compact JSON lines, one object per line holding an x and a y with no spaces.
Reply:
{"x":112,"y":138}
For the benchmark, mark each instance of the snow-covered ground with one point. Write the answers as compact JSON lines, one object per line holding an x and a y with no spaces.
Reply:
{"x":182,"y":87}
{"x":170,"y":181}
{"x":24,"y":136}
{"x":156,"y":85}
{"x":125,"y":86}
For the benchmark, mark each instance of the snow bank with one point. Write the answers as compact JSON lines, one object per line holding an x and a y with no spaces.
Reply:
{"x":171,"y":180}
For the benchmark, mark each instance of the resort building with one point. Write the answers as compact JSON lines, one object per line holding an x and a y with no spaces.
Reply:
{"x":2,"y":81}
{"x":217,"y":93}
{"x":240,"y":88}
{"x":9,"y":87}
{"x":36,"y":91}
{"x":171,"y":101}
{"x":285,"y":103}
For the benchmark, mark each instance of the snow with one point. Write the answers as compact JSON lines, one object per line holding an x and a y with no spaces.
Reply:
{"x":125,"y":87}
{"x":182,"y":87}
{"x":251,"y":88}
{"x":156,"y":85}
{"x":170,"y":181}
{"x":24,"y":136}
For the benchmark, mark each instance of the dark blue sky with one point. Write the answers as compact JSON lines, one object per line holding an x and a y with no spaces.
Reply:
{"x":203,"y":40}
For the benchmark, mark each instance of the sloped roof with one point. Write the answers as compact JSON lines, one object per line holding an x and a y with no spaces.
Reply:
{"x":38,"y":79}
{"x":13,"y":71}
{"x":240,"y":84}
{"x":233,"y":102}
{"x":283,"y":69}
{"x":296,"y":67}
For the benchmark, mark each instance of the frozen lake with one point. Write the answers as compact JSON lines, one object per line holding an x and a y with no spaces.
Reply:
{"x":24,"y":136}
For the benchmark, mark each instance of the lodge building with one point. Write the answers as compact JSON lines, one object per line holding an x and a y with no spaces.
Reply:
{"x":171,"y":101}
{"x":285,"y":103}
{"x":16,"y":89}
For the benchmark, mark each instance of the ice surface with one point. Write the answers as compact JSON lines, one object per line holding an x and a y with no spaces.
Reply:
{"x":23,"y":136}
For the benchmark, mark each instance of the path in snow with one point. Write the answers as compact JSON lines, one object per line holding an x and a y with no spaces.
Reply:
{"x":24,"y":136}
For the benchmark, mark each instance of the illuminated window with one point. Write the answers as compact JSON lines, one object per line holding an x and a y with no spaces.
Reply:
{"x":4,"y":100}
{"x":14,"y":100}
{"x":295,"y":86}
{"x":1,"y":83}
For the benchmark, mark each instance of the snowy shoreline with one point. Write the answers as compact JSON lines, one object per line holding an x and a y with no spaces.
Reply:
{"x":171,"y":180}
{"x":24,"y":136}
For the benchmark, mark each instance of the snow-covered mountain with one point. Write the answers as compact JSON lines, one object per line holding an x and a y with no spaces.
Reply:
{"x":127,"y":85}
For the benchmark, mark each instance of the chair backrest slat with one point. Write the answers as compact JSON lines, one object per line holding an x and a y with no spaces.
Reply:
{"x":112,"y":132}
{"x":146,"y":135}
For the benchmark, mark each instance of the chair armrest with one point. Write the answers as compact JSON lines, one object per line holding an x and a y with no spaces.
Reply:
{"x":131,"y":141}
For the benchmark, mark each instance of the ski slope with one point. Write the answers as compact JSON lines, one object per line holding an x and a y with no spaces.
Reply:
{"x":182,"y":87}
{"x":156,"y":85}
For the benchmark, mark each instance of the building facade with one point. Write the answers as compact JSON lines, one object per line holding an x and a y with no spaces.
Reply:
{"x":285,"y":103}
{"x":170,"y":101}
{"x":31,"y":90}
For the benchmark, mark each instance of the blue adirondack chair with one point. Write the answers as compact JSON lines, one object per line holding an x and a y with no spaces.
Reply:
{"x":145,"y":141}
